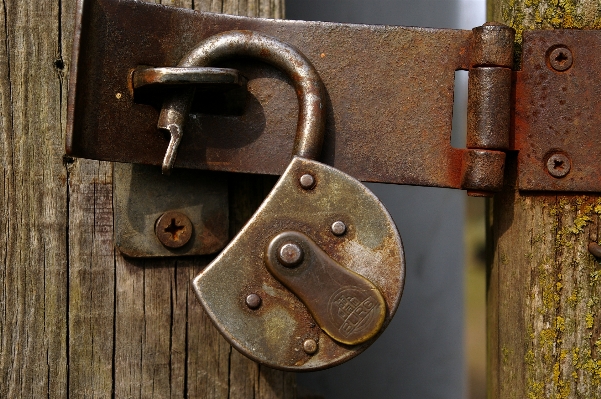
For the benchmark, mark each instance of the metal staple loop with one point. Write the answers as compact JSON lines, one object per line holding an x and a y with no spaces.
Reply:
{"x":306,"y":81}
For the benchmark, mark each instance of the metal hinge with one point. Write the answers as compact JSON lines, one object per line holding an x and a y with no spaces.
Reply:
{"x":389,"y":99}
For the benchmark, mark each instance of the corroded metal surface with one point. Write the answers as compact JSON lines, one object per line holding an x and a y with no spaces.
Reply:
{"x":493,"y":45}
{"x":173,"y":229}
{"x":489,"y":108}
{"x":141,"y":195}
{"x":345,"y":305}
{"x":148,"y":76}
{"x":389,"y":94}
{"x":483,"y":170}
{"x":305,"y":79}
{"x":278,"y":332}
{"x":558,"y":111}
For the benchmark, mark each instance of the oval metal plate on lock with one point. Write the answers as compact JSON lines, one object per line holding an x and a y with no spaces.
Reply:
{"x":281,"y":331}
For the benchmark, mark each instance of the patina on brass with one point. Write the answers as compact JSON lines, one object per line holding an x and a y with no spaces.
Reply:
{"x":348,"y":307}
{"x":309,"y":197}
{"x":276,"y":332}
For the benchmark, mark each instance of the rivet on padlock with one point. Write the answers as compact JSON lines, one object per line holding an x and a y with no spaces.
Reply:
{"x":327,"y":288}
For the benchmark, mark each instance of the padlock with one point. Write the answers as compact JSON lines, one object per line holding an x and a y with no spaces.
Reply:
{"x":318,"y":271}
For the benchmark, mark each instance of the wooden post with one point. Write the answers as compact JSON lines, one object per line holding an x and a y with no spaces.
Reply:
{"x":544,"y":307}
{"x":76,"y":318}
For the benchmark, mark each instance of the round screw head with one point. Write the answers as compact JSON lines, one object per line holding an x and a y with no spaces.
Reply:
{"x":290,"y":254}
{"x":253,"y":301}
{"x":558,"y":165}
{"x":307,"y":181}
{"x":338,"y":228}
{"x":560,"y":59}
{"x":310,"y":346}
{"x":173,"y":229}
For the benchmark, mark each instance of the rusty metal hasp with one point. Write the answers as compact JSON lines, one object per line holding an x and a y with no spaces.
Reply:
{"x":389,"y":96}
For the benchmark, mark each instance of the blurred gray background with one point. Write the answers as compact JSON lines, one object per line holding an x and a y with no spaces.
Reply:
{"x":421,"y":354}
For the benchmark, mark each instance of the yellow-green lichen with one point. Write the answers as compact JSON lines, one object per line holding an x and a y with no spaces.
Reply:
{"x":524,"y":15}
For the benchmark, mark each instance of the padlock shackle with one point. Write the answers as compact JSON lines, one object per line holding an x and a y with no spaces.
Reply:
{"x":307,"y":84}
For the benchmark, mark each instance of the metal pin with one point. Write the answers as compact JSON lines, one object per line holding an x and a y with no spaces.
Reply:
{"x":310,"y":346}
{"x":253,"y":301}
{"x":307,"y":181}
{"x":338,"y":228}
{"x":290,"y":254}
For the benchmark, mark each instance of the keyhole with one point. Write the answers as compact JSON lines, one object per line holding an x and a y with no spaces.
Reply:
{"x":174,"y":229}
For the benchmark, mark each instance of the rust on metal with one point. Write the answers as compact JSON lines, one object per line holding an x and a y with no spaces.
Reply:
{"x":173,"y":229}
{"x":560,"y":58}
{"x":483,"y":171}
{"x":389,"y":94}
{"x":307,"y":194}
{"x":493,"y":45}
{"x":275,"y":333}
{"x":347,"y":306}
{"x":489,"y":108}
{"x":141,"y":195}
{"x":559,"y":112}
{"x":148,"y":76}
{"x":305,"y":79}
{"x":558,"y":165}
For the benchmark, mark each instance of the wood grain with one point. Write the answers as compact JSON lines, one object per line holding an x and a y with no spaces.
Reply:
{"x":76,"y":318}
{"x":33,"y":204}
{"x":543,"y":291}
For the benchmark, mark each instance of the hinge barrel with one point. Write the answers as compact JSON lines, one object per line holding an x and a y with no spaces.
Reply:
{"x":489,"y":109}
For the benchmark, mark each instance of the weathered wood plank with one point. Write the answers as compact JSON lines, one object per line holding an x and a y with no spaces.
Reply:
{"x":33,"y":205}
{"x":543,"y":289}
{"x":76,"y":318}
{"x":91,"y":280}
{"x":161,"y":343}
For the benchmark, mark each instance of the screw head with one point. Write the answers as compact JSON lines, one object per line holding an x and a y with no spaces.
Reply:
{"x":173,"y":229}
{"x":290,"y":254}
{"x":253,"y":301}
{"x":560,"y":59}
{"x":310,"y":346}
{"x":338,"y":228}
{"x":307,"y":181}
{"x":558,"y":165}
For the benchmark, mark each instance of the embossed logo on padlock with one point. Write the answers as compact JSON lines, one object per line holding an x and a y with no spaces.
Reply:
{"x":353,"y":309}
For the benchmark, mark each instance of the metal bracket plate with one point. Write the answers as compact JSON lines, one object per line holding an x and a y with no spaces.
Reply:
{"x":558,"y":112}
{"x":141,"y":195}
